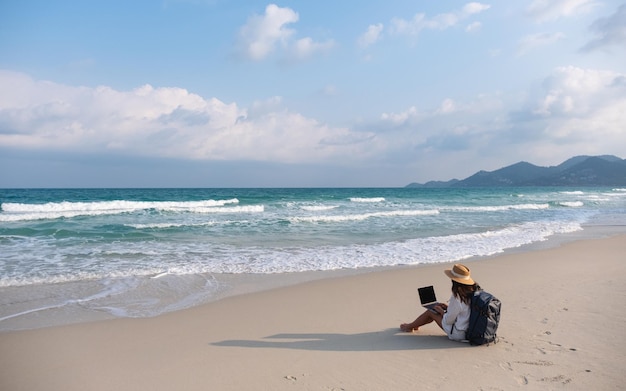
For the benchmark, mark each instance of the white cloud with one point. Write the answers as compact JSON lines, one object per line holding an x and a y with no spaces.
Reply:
{"x":544,"y":10}
{"x":451,"y":128}
{"x":581,"y":110}
{"x":264,"y":34}
{"x":533,"y":41}
{"x":574,"y":111}
{"x":305,"y":48}
{"x":472,"y":27}
{"x":371,"y":36}
{"x":164,"y":122}
{"x":443,"y":21}
{"x":480,"y":105}
{"x":402,"y":117}
{"x":475,"y":8}
{"x":580,"y":92}
{"x":610,"y":31}
{"x":447,"y":106}
{"x":260,"y":35}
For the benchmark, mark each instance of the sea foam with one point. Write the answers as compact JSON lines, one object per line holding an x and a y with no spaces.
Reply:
{"x":55,"y":210}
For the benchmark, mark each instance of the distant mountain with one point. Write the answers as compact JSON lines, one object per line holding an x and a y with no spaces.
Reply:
{"x":605,"y":170}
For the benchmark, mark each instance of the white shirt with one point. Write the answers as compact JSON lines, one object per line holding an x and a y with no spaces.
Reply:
{"x":456,"y":319}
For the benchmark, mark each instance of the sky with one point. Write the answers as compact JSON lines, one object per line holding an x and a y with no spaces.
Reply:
{"x":246,"y":93}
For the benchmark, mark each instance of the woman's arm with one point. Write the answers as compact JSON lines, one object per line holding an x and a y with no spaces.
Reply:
{"x":453,"y":311}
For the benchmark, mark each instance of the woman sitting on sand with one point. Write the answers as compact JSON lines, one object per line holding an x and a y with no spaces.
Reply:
{"x":453,"y":317}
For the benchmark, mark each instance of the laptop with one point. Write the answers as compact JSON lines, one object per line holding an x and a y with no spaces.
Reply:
{"x":428,"y":298}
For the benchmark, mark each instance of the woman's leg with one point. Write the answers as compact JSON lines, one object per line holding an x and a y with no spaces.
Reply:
{"x":425,"y":318}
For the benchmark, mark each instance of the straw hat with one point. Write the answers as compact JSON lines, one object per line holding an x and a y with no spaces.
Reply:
{"x":460,"y":273}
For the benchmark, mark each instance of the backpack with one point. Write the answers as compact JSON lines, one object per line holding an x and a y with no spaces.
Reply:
{"x":484,"y":318}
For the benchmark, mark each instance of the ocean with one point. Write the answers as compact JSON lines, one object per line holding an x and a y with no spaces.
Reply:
{"x":83,"y":254}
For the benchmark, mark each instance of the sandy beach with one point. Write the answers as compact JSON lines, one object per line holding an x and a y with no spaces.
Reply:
{"x":561,"y":328}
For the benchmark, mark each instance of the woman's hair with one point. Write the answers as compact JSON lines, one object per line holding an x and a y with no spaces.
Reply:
{"x":464,"y":292}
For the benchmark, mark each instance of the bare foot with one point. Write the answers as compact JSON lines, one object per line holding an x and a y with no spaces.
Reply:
{"x":407,"y":328}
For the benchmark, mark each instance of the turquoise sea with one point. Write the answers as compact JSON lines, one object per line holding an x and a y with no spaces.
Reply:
{"x":97,"y":253}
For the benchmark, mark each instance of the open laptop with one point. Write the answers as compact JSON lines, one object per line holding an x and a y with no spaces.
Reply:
{"x":428,"y":298}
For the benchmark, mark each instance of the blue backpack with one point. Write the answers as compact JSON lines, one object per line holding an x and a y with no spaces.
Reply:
{"x":484,"y":319}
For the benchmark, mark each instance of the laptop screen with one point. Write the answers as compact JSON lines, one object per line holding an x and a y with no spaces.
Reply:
{"x":427,"y":294}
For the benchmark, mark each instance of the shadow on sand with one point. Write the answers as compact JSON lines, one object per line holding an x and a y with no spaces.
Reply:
{"x":386,"y":340}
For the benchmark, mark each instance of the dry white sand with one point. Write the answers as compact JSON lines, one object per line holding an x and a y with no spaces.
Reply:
{"x":562,"y":327}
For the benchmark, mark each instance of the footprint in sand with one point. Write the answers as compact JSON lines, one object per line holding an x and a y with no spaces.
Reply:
{"x":521,"y":380}
{"x":560,"y":378}
{"x":553,"y":347}
{"x":506,"y":366}
{"x":541,"y":363}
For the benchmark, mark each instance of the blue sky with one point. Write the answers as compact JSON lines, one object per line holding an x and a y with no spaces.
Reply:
{"x":216,"y":93}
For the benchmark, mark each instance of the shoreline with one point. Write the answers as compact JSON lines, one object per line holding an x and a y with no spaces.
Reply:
{"x":342,"y":333}
{"x":242,"y":284}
